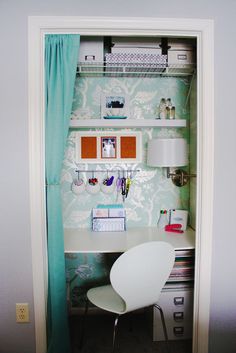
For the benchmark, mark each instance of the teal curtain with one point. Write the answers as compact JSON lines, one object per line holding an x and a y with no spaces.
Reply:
{"x":61,"y":54}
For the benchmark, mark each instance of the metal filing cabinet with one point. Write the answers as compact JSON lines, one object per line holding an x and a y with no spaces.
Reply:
{"x":177,"y":306}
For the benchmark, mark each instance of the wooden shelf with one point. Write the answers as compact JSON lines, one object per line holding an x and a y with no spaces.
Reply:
{"x":126,"y":123}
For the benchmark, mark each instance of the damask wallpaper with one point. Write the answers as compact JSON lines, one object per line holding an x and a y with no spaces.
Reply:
{"x":150,"y":190}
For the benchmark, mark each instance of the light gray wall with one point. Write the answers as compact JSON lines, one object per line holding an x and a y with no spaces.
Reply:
{"x":15,"y":251}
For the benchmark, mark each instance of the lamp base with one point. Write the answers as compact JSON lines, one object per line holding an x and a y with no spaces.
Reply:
{"x":179,"y":177}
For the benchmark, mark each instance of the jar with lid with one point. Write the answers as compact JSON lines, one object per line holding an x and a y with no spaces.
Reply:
{"x":172,"y":113}
{"x":163,"y":219}
{"x":162,"y":109}
{"x":168,"y":107}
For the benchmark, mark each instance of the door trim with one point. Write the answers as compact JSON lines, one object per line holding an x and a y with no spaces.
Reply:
{"x":203,"y":30}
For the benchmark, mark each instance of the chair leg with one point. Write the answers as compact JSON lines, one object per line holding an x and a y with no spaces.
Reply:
{"x":83,"y":324}
{"x":164,"y":326}
{"x":114,"y":332}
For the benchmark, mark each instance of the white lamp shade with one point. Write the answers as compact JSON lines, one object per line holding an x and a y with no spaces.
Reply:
{"x":171,"y":152}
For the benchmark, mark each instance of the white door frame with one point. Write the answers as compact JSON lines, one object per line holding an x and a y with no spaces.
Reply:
{"x":203,"y":30}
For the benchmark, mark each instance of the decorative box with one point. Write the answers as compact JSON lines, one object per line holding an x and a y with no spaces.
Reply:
{"x":138,"y":45}
{"x":91,"y":49}
{"x":108,"y":224}
{"x":135,"y":50}
{"x":180,"y":52}
{"x":135,"y":59}
{"x":179,"y":217}
{"x":130,"y":62}
{"x":99,"y":212}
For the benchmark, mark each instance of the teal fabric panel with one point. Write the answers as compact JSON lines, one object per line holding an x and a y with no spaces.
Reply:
{"x":84,"y":271}
{"x":61,"y":54}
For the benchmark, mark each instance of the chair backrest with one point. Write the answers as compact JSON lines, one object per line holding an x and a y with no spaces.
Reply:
{"x":140,"y":273}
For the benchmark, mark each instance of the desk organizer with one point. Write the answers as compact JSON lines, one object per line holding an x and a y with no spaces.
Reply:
{"x":108,"y":224}
{"x":108,"y":219}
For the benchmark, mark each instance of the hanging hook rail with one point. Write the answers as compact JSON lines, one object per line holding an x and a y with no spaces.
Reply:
{"x":107,"y":171}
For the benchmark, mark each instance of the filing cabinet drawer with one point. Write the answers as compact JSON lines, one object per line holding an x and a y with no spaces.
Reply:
{"x":177,"y":307}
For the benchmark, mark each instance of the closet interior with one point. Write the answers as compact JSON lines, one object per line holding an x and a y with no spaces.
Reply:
{"x":128,"y":91}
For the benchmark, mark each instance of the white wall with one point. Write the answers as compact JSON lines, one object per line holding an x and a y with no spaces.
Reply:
{"x":15,"y":251}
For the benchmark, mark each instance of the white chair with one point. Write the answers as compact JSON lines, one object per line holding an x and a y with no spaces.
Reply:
{"x":137,"y":278}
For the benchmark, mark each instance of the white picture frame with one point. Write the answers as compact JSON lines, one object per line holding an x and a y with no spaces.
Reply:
{"x":114,"y":105}
{"x":124,"y":147}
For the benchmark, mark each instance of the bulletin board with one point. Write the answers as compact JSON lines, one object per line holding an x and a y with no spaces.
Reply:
{"x":108,"y":146}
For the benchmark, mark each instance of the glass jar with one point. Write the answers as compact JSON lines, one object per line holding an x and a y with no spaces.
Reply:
{"x":162,"y":109}
{"x":172,"y":113}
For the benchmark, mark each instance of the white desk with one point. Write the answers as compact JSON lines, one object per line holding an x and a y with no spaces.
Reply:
{"x":79,"y":240}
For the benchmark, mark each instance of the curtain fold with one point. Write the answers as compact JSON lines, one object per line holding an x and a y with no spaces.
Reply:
{"x":61,"y":56}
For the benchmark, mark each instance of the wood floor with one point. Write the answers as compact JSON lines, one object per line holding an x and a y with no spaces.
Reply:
{"x":138,"y":339}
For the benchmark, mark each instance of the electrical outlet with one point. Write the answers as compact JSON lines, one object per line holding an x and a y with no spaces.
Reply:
{"x":22,"y":312}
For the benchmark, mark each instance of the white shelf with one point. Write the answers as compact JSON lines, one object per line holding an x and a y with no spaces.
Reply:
{"x":131,"y":70}
{"x":126,"y":123}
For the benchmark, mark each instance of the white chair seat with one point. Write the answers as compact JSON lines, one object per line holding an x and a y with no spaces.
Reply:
{"x":137,"y":278}
{"x":106,"y":298}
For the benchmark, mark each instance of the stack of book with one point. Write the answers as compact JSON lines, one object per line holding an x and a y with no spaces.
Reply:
{"x":182,"y":274}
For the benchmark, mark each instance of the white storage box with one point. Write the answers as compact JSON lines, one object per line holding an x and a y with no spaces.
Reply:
{"x":179,"y":217}
{"x":181,"y":52}
{"x":136,"y":45}
{"x":116,"y":212}
{"x":109,"y":212}
{"x":99,"y":212}
{"x":91,"y":49}
{"x":141,"y":42}
{"x":136,"y":50}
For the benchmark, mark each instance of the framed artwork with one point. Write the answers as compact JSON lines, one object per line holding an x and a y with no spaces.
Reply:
{"x":108,"y":146}
{"x":114,"y":106}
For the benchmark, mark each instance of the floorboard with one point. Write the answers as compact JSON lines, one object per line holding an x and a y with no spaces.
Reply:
{"x":133,"y":335}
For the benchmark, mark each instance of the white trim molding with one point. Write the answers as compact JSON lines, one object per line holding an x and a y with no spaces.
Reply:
{"x":203,"y":31}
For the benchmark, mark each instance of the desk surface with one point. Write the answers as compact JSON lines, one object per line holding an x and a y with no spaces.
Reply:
{"x":79,"y":240}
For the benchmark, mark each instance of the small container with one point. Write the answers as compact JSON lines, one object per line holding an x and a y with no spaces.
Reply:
{"x":92,"y":188}
{"x":78,"y":187}
{"x":167,"y":113}
{"x":168,"y":102}
{"x":172,"y":113}
{"x":163,"y":219}
{"x":162,"y":109}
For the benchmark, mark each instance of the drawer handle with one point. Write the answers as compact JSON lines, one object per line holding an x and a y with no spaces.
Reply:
{"x":178,"y":331}
{"x":182,"y":56}
{"x":178,"y":300}
{"x":89,"y":57}
{"x":178,"y":316}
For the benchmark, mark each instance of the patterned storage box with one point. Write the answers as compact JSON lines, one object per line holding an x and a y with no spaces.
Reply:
{"x":135,"y":58}
{"x":131,"y":61}
{"x":108,"y":224}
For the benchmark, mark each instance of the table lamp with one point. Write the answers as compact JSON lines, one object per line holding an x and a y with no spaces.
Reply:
{"x":169,"y":152}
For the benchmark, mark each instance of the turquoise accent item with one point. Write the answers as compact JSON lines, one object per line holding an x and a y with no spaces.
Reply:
{"x":61,"y":54}
{"x":114,"y":117}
